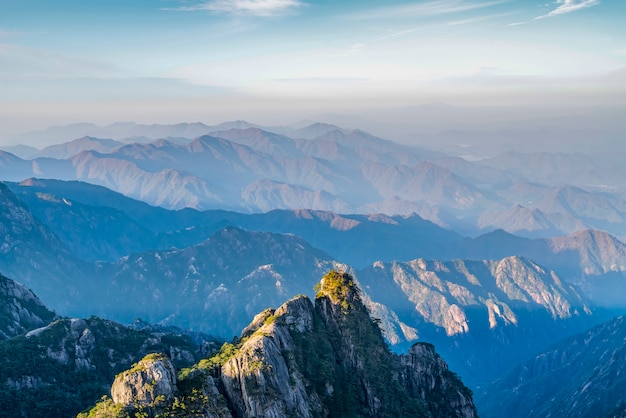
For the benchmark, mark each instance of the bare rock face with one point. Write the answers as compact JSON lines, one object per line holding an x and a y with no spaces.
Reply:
{"x":426,"y":376}
{"x":327,"y":359}
{"x":154,"y":376}
{"x":259,"y":380}
{"x":20,"y":309}
{"x":331,"y":360}
{"x":213,"y":404}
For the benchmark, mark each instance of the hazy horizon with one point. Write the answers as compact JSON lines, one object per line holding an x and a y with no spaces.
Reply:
{"x":280,"y":61}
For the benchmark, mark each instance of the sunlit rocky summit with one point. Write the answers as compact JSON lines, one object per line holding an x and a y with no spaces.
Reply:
{"x":327,"y":359}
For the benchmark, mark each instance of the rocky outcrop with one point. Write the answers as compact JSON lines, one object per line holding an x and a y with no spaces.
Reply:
{"x":327,"y":359}
{"x":443,"y":293}
{"x":426,"y":375}
{"x":475,"y":311}
{"x":152,"y":378}
{"x":261,"y":380}
{"x":20,"y":309}
{"x":67,"y":365}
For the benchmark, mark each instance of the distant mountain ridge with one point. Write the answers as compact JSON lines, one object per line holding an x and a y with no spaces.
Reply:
{"x":114,"y":223}
{"x":32,"y":254}
{"x":593,"y":260}
{"x":583,"y":253}
{"x":244,"y":167}
{"x":69,"y":149}
{"x":462,"y":304}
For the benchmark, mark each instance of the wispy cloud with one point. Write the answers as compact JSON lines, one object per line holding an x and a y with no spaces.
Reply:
{"x":358,"y":47}
{"x":563,"y":7}
{"x":568,"y":6}
{"x":244,"y":7}
{"x":479,"y":19}
{"x":517,"y":23}
{"x":362,"y":45}
{"x":429,"y":8}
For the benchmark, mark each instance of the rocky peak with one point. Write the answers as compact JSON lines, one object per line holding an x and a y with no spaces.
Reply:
{"x":306,"y":360}
{"x":341,"y":290}
{"x":152,"y":379}
{"x":20,"y":309}
{"x":426,"y":375}
{"x":260,"y":380}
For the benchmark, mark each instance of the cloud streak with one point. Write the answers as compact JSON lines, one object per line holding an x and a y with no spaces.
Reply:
{"x":358,"y":47}
{"x":479,"y":19}
{"x":262,"y":8}
{"x":568,"y":6}
{"x":430,"y":8}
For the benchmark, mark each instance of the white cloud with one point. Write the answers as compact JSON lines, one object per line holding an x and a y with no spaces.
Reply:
{"x":245,"y":7}
{"x":568,"y":6}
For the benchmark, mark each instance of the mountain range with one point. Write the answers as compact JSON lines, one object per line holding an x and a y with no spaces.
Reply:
{"x":180,"y":231}
{"x":246,"y":168}
{"x":107,"y":225}
{"x":233,"y":272}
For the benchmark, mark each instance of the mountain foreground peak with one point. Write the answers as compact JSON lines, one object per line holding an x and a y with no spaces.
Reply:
{"x":321,"y":359}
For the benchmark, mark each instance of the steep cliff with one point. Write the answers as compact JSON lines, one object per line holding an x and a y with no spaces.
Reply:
{"x":20,"y":309}
{"x":152,"y":378}
{"x":306,"y":360}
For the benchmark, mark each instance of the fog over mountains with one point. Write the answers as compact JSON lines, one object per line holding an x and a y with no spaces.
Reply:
{"x":199,"y":227}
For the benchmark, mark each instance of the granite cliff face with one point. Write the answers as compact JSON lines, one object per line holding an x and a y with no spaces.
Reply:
{"x":327,"y":359}
{"x":426,"y":375}
{"x":153,"y":377}
{"x":20,"y":309}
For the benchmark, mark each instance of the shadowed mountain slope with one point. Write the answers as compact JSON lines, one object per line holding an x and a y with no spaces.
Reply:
{"x":582,"y":376}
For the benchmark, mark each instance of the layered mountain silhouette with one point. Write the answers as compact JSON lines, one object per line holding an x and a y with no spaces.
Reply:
{"x":243,"y":167}
{"x":473,"y":310}
{"x":203,"y":227}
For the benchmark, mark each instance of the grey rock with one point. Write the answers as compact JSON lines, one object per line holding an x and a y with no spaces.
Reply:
{"x":152,"y":377}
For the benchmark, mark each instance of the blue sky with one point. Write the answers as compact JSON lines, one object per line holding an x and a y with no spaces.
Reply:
{"x":184,"y":60}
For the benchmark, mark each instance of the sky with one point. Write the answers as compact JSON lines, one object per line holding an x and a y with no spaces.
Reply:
{"x":166,"y":61}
